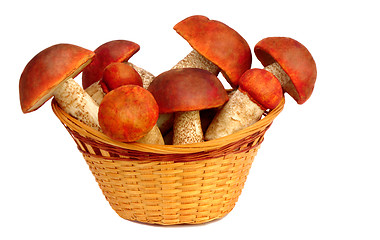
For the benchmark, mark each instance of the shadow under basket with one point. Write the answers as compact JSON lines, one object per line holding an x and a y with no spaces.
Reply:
{"x":170,"y":184}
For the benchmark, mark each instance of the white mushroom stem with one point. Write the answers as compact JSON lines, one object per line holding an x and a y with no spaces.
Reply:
{"x":238,"y":113}
{"x":282,"y":77}
{"x":97,"y":93}
{"x":146,"y":76}
{"x":187,"y":128}
{"x":75,"y":101}
{"x":154,"y":136}
{"x":196,"y":60}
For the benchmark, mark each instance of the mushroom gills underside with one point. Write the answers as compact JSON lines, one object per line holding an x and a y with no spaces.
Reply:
{"x":283,"y":78}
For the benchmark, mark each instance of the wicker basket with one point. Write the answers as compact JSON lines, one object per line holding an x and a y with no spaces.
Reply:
{"x":170,"y":184}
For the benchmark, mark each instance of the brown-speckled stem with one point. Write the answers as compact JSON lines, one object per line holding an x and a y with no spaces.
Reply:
{"x":187,"y":128}
{"x":196,"y":60}
{"x":75,"y":101}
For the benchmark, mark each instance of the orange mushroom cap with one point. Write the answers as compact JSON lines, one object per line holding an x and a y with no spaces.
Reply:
{"x":218,"y":43}
{"x":187,"y":89}
{"x":128,"y":113}
{"x":118,"y":74}
{"x":109,"y":52}
{"x":262,"y":87}
{"x":294,"y":59}
{"x":47,"y":70}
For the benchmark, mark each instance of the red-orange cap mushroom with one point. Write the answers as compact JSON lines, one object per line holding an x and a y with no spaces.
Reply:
{"x":109,"y":52}
{"x":185,"y":92}
{"x":118,"y":74}
{"x":128,"y":113}
{"x":262,"y":87}
{"x":187,"y":89}
{"x":258,"y":91}
{"x":218,"y":43}
{"x":47,"y":70}
{"x":294,"y":59}
{"x":50,"y":73}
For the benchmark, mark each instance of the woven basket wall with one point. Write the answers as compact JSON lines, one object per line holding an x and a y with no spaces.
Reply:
{"x":170,"y":184}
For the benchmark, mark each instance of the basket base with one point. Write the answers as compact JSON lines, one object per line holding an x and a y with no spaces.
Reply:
{"x":174,"y":220}
{"x":171,"y":193}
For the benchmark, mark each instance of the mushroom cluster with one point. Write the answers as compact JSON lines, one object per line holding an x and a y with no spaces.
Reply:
{"x":183,"y":105}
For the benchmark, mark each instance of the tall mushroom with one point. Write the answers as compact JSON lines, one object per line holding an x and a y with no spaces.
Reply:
{"x":50,"y":73}
{"x":185,"y":92}
{"x":128,"y":113}
{"x":216,"y":47}
{"x":291,"y":63}
{"x":105,"y":54}
{"x":258,"y":91}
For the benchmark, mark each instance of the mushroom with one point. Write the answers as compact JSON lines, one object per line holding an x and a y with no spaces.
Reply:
{"x":109,"y":52}
{"x":118,"y":74}
{"x":185,"y":92}
{"x":105,"y":54}
{"x":102,"y":76}
{"x":291,"y":63}
{"x":128,"y":113}
{"x":216,"y":47}
{"x":258,"y":91}
{"x":50,"y":73}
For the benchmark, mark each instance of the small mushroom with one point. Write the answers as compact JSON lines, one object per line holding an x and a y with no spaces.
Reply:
{"x":119,"y":74}
{"x":216,"y":47}
{"x":128,"y":113}
{"x":109,"y":52}
{"x":50,"y":73}
{"x":291,"y":63}
{"x":105,"y":54}
{"x":111,"y":70}
{"x":185,"y":92}
{"x":258,"y":91}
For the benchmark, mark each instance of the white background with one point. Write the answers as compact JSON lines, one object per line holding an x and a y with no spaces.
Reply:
{"x":316,"y":176}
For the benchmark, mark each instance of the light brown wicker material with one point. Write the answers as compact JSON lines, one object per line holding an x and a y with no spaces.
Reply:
{"x":170,"y":184}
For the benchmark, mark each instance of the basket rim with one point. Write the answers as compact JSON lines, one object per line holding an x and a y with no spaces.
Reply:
{"x":88,"y":132}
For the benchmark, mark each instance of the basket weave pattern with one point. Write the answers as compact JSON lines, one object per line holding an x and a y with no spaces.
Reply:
{"x":167,"y":184}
